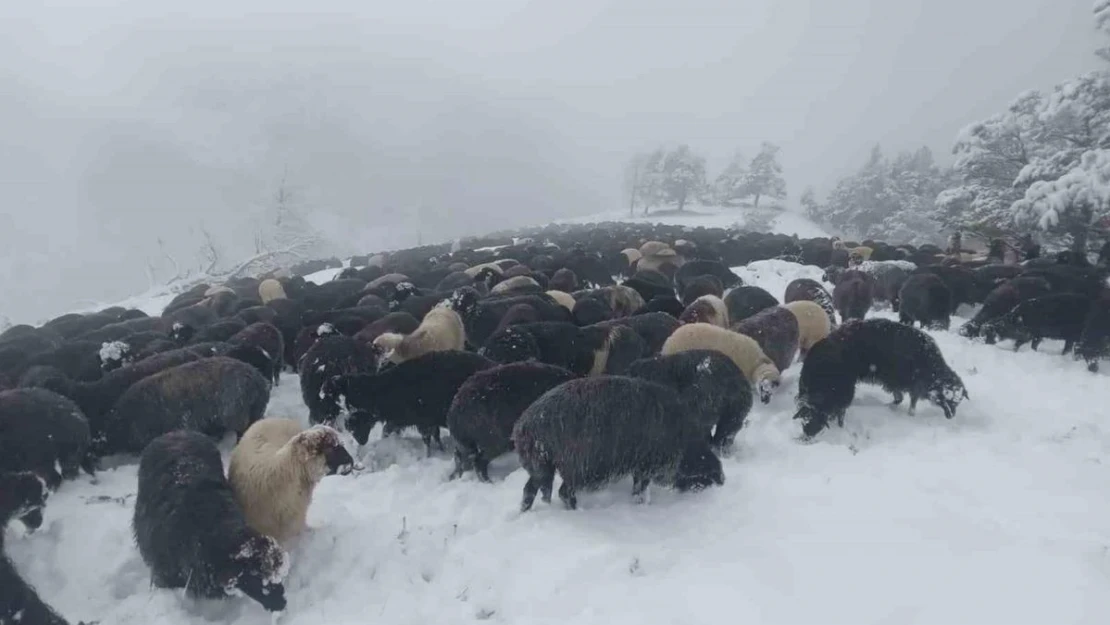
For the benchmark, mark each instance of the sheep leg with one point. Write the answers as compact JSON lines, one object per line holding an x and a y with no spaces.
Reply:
{"x":481,"y":467}
{"x":531,"y":487}
{"x":913,"y":404}
{"x":640,"y":488}
{"x":1035,"y":343}
{"x":898,"y":397}
{"x":547,"y":484}
{"x":1068,"y":345}
{"x":461,"y":465}
{"x":566,"y":493}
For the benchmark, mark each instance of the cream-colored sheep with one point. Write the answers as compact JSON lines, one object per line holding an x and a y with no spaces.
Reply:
{"x":860,"y":254}
{"x":513,"y":284}
{"x":663,"y":257}
{"x":624,"y":300}
{"x":476,"y":269}
{"x":275,"y":468}
{"x":651,"y":248}
{"x":270,"y":289}
{"x":395,"y":278}
{"x":562,"y":298}
{"x":813,"y":323}
{"x":217,"y":289}
{"x":631,"y":255}
{"x":706,"y":309}
{"x":377,"y":260}
{"x":741,"y":349}
{"x":441,"y":330}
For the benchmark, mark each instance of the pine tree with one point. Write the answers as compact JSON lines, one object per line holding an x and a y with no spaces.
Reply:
{"x":764,"y":176}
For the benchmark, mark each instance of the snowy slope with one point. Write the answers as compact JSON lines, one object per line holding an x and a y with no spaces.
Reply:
{"x":998,"y":516}
{"x":787,"y":222}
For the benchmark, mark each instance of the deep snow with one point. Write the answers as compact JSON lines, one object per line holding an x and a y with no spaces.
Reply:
{"x":998,"y":516}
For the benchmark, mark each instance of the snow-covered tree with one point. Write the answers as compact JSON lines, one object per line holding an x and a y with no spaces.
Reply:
{"x":681,"y":176}
{"x":729,"y":187}
{"x":810,"y":204}
{"x":1073,"y":206}
{"x":764,"y":175}
{"x":284,"y":234}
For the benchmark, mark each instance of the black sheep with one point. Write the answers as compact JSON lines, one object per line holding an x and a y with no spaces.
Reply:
{"x":745,"y":301}
{"x":486,"y":407}
{"x":191,"y":532}
{"x":78,"y":360}
{"x":702,"y":285}
{"x":813,"y":291}
{"x":394,"y":322}
{"x":1094,"y":343}
{"x":650,"y":284}
{"x":116,"y":354}
{"x":1053,"y":316}
{"x":20,"y":330}
{"x":73,"y":325}
{"x":927,"y":300}
{"x":43,"y":432}
{"x":518,"y":313}
{"x":709,"y":384}
{"x":596,"y":430}
{"x":960,"y":280}
{"x":590,"y":350}
{"x":694,"y":268}
{"x":564,"y":280}
{"x":667,"y":304}
{"x":853,"y":295}
{"x":777,"y":332}
{"x":1004,"y":298}
{"x":307,"y":337}
{"x":654,"y":328}
{"x":212,"y":396}
{"x":221,"y":330}
{"x":258,"y":314}
{"x":331,"y":356}
{"x":989,"y":277}
{"x":416,"y":392}
{"x":289,"y":314}
{"x":267,"y":338}
{"x":481,"y":317}
{"x":22,"y":495}
{"x":591,"y":310}
{"x":900,"y":358}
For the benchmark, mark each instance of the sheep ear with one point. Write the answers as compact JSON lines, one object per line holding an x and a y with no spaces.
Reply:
{"x":966,"y":396}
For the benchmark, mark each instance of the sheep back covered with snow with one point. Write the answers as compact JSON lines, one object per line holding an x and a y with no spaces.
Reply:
{"x":191,"y":532}
{"x":596,"y":430}
{"x":441,"y":330}
{"x":925,"y":299}
{"x":709,"y":385}
{"x":899,"y":358}
{"x":743,"y":350}
{"x":777,"y":331}
{"x":813,"y":323}
{"x":487,"y":406}
{"x":332,"y":355}
{"x":44,"y":433}
{"x":275,"y":468}
{"x":417,"y":392}
{"x":706,"y":309}
{"x":1054,"y":316}
{"x":212,"y":396}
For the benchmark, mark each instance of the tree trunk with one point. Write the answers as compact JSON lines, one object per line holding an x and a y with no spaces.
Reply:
{"x":1080,"y":232}
{"x":681,"y":203}
{"x":756,"y":205}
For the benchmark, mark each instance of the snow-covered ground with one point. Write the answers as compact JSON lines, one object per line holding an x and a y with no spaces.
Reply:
{"x":787,"y":222}
{"x":998,"y":516}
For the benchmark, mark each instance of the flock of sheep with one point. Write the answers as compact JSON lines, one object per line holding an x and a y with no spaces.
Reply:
{"x":594,"y":353}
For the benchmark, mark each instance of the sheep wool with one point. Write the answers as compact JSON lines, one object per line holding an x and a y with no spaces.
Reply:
{"x":270,"y":289}
{"x":813,"y":323}
{"x":274,"y":470}
{"x":706,"y":309}
{"x":742,"y":350}
{"x":441,"y":330}
{"x":513,"y":284}
{"x":563,"y":299}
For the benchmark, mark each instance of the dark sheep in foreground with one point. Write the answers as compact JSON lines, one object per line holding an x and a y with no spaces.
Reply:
{"x":1003,"y":299}
{"x":960,"y":281}
{"x":332,"y":355}
{"x":417,"y":392}
{"x":1055,"y":316}
{"x":899,"y":358}
{"x":853,"y":295}
{"x":45,"y":433}
{"x":594,"y":431}
{"x":213,"y":396}
{"x":487,"y":406}
{"x":1094,"y":343}
{"x":927,"y":300}
{"x":745,"y":301}
{"x":591,"y":350}
{"x":805,"y":289}
{"x":709,"y":384}
{"x":78,"y":360}
{"x":21,"y":495}
{"x":191,"y":532}
{"x":777,"y":331}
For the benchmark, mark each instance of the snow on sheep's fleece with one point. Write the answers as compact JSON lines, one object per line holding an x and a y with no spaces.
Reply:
{"x":1001,"y":515}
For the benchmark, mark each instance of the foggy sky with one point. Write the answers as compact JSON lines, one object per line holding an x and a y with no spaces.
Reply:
{"x":140,"y":120}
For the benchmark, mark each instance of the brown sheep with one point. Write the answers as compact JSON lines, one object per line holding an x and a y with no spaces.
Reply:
{"x":274,"y":470}
{"x":742,"y":350}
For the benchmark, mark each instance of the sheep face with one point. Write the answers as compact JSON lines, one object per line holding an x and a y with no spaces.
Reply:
{"x":24,"y":495}
{"x":339,"y":461}
{"x":766,"y":389}
{"x":359,"y":424}
{"x":947,"y":393}
{"x":464,"y":300}
{"x":699,"y":469}
{"x":257,"y":570}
